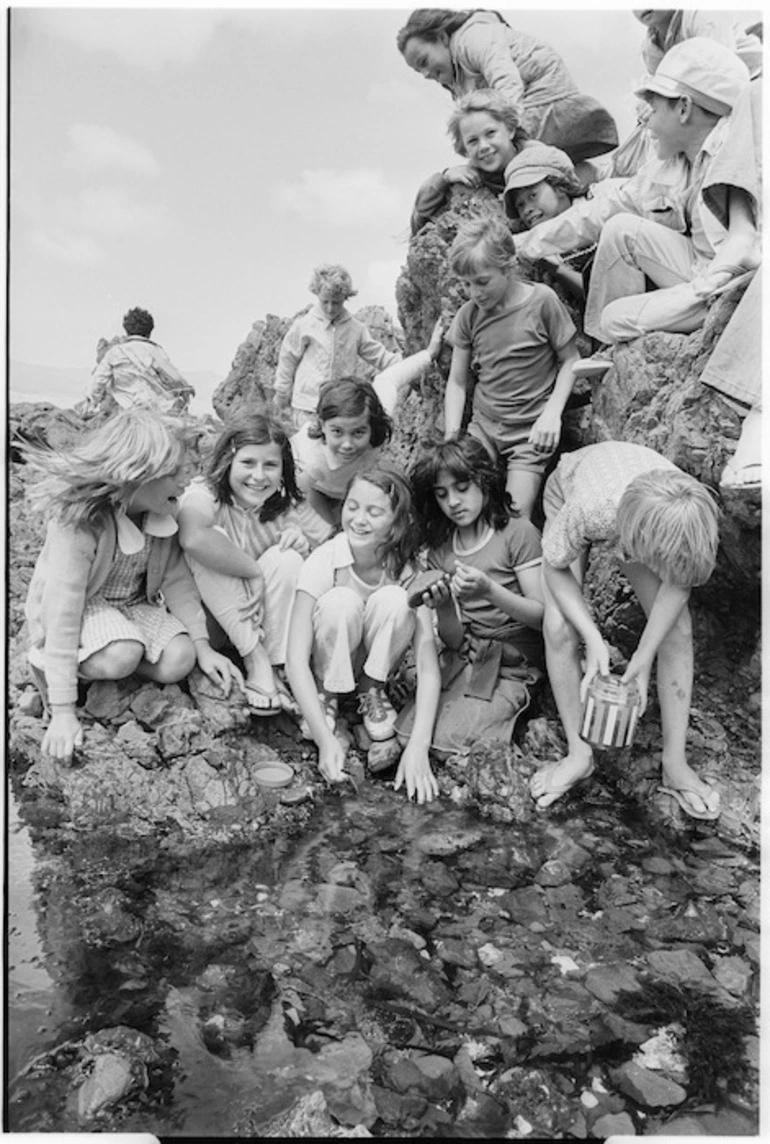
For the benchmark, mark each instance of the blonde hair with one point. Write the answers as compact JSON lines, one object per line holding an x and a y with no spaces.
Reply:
{"x":669,"y":522}
{"x":494,"y":104}
{"x":335,"y":277}
{"x":482,"y":242}
{"x":103,"y":470}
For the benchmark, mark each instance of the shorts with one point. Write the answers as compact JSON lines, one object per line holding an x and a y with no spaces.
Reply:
{"x":517,"y":454}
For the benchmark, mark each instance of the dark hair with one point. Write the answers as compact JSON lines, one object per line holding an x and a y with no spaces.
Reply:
{"x":253,"y":429}
{"x":466,"y":460}
{"x":351,"y":397}
{"x":138,"y":321}
{"x":400,"y":547}
{"x":430,"y":24}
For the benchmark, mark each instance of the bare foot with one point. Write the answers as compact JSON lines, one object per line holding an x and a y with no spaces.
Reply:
{"x":551,"y":782}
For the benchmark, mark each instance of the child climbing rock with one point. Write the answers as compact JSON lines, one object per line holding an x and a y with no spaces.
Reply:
{"x":323,"y":344}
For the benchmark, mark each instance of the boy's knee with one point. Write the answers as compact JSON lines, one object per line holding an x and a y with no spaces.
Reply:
{"x":177,"y":660}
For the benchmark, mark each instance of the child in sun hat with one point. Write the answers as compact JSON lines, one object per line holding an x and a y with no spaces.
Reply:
{"x":688,"y":220}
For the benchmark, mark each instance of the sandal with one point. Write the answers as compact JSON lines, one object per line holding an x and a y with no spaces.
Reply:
{"x":683,"y":795}
{"x":261,"y":701}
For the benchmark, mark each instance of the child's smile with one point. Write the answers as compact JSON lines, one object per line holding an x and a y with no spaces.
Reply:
{"x":486,"y":141}
{"x":539,"y":202}
{"x":367,"y":516}
{"x":347,"y":438}
{"x":255,"y":474}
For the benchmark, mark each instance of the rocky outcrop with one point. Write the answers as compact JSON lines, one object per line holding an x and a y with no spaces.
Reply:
{"x":250,"y":380}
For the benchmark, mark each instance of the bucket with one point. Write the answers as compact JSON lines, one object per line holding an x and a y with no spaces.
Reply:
{"x":610,"y":712}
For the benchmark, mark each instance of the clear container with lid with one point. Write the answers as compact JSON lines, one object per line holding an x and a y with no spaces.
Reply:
{"x":610,"y":712}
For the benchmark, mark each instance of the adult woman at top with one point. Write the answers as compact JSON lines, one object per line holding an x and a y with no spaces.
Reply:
{"x":465,"y":50}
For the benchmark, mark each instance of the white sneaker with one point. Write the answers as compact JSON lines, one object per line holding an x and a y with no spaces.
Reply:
{"x":379,"y":716}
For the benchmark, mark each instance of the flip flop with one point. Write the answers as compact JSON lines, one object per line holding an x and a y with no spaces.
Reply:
{"x":557,"y":790}
{"x":687,"y":807}
{"x":592,"y":367}
{"x":262,"y":702}
{"x":747,"y":477}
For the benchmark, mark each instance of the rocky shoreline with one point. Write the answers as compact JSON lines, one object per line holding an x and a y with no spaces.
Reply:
{"x":471,"y":967}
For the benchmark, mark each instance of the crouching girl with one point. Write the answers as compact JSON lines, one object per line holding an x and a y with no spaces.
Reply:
{"x":245,"y":531}
{"x":111,"y":594}
{"x":351,"y":624}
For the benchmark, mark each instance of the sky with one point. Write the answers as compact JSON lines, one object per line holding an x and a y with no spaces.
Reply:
{"x":201,"y":162}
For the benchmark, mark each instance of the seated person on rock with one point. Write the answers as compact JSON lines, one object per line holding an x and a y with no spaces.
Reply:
{"x":137,"y":373}
{"x":324,"y":343}
{"x":484,"y":129}
{"x":666,"y":224}
{"x":488,"y":603}
{"x":245,"y":531}
{"x":665,"y":526}
{"x":111,"y":594}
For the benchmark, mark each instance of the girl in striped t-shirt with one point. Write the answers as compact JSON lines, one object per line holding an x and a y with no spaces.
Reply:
{"x":245,"y":531}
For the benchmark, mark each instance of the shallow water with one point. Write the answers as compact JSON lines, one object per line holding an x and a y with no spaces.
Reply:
{"x":436,"y":872}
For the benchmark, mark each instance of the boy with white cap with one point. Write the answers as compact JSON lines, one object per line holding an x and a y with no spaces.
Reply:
{"x":688,"y":220}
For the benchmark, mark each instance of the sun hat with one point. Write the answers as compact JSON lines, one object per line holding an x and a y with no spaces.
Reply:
{"x":711,"y":74}
{"x":535,"y":162}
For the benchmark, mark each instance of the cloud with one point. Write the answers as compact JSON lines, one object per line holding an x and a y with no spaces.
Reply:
{"x":96,"y":148}
{"x":75,"y":228}
{"x":343,"y":198}
{"x":77,"y":249}
{"x":145,"y":38}
{"x":392,"y":93}
{"x":109,"y":211}
{"x":379,"y":287}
